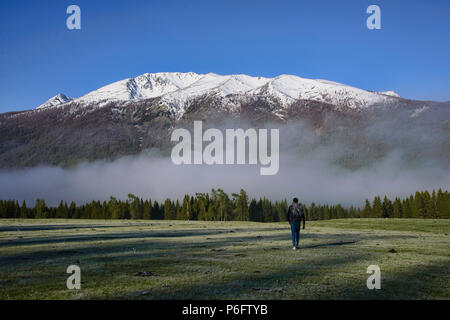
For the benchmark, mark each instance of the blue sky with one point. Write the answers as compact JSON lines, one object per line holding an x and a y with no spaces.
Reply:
{"x":40,"y":57}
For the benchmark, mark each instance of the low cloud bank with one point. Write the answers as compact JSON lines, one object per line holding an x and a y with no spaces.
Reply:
{"x":311,"y":177}
{"x":413,"y":157}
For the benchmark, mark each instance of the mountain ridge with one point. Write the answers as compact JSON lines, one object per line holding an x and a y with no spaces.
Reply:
{"x":176,"y":89}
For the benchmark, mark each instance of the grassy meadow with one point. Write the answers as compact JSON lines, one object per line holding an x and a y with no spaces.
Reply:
{"x":151,"y":259}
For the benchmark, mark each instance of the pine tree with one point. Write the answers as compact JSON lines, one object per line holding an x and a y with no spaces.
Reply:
{"x":178,"y":210}
{"x":387,"y":208}
{"x":253,"y":210}
{"x":326,"y":213}
{"x":185,"y":212}
{"x":367,"y":211}
{"x":135,"y":208}
{"x":431,"y":206}
{"x":201,"y":209}
{"x":419,"y":206}
{"x":62,"y":212}
{"x":409,"y":204}
{"x":41,"y":209}
{"x":266,"y":210}
{"x":211,"y":214}
{"x":397,"y":208}
{"x":2,"y":209}
{"x":340,"y":212}
{"x":283,"y":208}
{"x":72,"y":210}
{"x":311,"y":212}
{"x":16,"y":209}
{"x":24,"y":210}
{"x":406,"y":209}
{"x":96,"y":210}
{"x":442,"y":205}
{"x":241,"y":205}
{"x":169,"y":210}
{"x":377,"y":208}
{"x":114,"y":209}
{"x":155,"y":211}
{"x":194,"y":208}
{"x":428,"y":206}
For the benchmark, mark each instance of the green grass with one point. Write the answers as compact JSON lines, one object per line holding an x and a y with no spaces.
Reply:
{"x":224,"y":260}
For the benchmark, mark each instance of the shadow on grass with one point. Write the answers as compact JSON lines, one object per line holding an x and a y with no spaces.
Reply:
{"x":342,"y":243}
{"x":57,"y":227}
{"x":116,"y":236}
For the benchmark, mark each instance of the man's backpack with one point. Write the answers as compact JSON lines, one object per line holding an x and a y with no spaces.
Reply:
{"x":296,"y":212}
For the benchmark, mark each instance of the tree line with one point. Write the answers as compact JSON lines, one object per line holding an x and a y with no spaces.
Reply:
{"x":219,"y":206}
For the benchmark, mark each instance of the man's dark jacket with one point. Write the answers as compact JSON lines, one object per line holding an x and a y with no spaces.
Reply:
{"x":302,"y":213}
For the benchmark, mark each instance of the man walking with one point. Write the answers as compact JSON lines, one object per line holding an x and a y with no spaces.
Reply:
{"x":295,"y":214}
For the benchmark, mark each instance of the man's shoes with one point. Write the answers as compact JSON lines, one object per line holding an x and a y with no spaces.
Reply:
{"x":294,"y":248}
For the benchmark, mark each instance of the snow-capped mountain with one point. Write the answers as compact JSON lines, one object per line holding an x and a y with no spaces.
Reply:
{"x":177,"y":89}
{"x":139,"y":114}
{"x":56,"y":100}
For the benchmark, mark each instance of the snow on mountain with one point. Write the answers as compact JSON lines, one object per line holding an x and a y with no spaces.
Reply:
{"x":289,"y":88}
{"x":177,"y":89}
{"x":391,"y":93}
{"x":211,"y":84}
{"x":56,"y":100}
{"x":418,"y":111}
{"x":142,"y":87}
